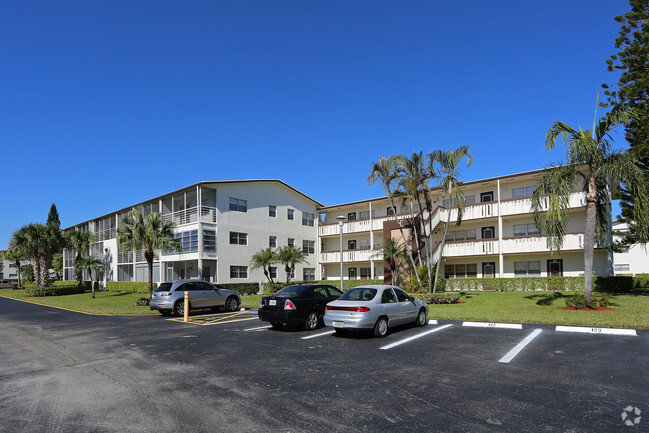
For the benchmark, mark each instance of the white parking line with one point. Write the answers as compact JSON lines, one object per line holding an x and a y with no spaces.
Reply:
{"x":406,"y":340}
{"x":608,"y":331}
{"x":259,"y":327}
{"x":318,"y":335}
{"x":520,"y":346}
{"x":230,"y":321}
{"x":493,"y":325}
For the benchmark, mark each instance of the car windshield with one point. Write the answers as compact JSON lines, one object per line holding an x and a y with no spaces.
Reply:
{"x":164,"y":287}
{"x":291,"y":291}
{"x":359,"y":294}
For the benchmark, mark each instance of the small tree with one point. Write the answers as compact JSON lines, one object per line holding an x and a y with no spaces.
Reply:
{"x":289,"y":256}
{"x":13,"y":256}
{"x":88,"y":264}
{"x":263,"y":259}
{"x":79,"y":241}
{"x":391,"y":252}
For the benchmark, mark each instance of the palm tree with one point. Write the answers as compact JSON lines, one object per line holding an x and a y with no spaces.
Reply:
{"x":12,"y":255}
{"x":263,"y":259}
{"x":88,"y":264}
{"x":79,"y":241}
{"x":592,"y":164}
{"x":385,"y":172}
{"x":31,"y":242}
{"x":414,"y":179}
{"x":391,"y":251}
{"x":289,"y":256}
{"x":151,"y":233}
{"x":449,"y":178}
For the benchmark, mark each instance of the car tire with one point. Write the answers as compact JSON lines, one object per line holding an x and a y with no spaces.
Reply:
{"x":231,"y":304}
{"x":165,"y":312}
{"x":179,"y":308}
{"x":381,"y":327}
{"x":312,"y":321}
{"x":421,"y":318}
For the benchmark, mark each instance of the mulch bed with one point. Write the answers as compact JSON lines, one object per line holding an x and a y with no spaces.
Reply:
{"x":589,"y":309}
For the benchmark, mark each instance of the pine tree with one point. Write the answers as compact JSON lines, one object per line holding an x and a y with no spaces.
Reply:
{"x":632,"y":61}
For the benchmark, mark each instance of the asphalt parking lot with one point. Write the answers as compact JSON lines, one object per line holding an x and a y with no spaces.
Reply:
{"x":65,"y":371}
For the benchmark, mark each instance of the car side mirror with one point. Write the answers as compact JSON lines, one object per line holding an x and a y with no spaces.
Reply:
{"x":411,"y":299}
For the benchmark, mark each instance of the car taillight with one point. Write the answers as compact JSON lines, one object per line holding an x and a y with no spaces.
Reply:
{"x":288,"y":305}
{"x":165,"y":294}
{"x":261,"y":303}
{"x":354,"y":309}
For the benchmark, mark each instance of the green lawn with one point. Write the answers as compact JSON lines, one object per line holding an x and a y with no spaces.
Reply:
{"x":631,"y":310}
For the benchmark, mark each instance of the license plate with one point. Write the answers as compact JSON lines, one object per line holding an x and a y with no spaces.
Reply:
{"x":338,"y":324}
{"x":272,"y":302}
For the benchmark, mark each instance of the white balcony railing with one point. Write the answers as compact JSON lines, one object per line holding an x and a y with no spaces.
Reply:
{"x":190,"y":215}
{"x":104,"y":235}
{"x":127,"y":257}
{"x":364,"y":255}
{"x":532,"y":244}
{"x":357,"y":226}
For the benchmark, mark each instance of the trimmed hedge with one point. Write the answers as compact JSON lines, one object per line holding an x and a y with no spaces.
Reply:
{"x":55,"y":290}
{"x":615,"y":284}
{"x":641,"y":281}
{"x":347,"y":284}
{"x":439,"y":298}
{"x":129,"y":286}
{"x":241,"y":288}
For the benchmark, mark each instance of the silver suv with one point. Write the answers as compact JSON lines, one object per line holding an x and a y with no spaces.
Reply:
{"x":169,"y":297}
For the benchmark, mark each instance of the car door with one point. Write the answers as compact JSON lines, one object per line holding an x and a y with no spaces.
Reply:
{"x":409,"y":309}
{"x":194,"y":295}
{"x":210,"y":296}
{"x":391,"y":306}
{"x":320,"y":299}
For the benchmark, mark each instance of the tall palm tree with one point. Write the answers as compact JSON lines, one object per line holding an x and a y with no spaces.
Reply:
{"x":385,"y":172}
{"x":263,"y":259}
{"x":79,"y":241}
{"x":13,"y":255}
{"x":591,"y":164}
{"x":414,"y":177}
{"x":31,"y":242}
{"x":151,"y":233}
{"x":449,"y":178}
{"x":89,"y":264}
{"x":289,"y":256}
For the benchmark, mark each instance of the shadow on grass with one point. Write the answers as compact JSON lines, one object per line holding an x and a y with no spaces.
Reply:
{"x":547,"y":299}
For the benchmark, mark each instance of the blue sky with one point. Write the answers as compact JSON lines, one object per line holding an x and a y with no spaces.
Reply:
{"x":107,"y":103}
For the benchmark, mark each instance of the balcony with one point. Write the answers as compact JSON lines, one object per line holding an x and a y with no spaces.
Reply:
{"x":364,"y":255}
{"x":191,"y":215}
{"x":357,"y":226}
{"x":127,"y":257}
{"x":531,"y":244}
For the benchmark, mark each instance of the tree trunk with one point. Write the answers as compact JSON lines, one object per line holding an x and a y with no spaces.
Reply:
{"x":589,"y":245}
{"x":17,"y":263}
{"x":43,"y":268}
{"x":148,"y":255}
{"x":441,"y":251}
{"x":36,"y":264}
{"x":288,"y":273}
{"x":405,"y":242}
{"x":80,"y":276}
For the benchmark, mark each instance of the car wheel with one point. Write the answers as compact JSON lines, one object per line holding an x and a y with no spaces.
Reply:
{"x":179,"y":308}
{"x":277,"y":325}
{"x":311,"y":322}
{"x":381,"y":327}
{"x":165,"y":312}
{"x":421,"y":318}
{"x":231,"y":304}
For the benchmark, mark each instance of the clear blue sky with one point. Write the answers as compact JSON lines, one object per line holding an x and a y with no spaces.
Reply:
{"x":107,"y":103}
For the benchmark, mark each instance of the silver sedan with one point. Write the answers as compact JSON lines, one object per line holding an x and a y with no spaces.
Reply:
{"x":374,"y":307}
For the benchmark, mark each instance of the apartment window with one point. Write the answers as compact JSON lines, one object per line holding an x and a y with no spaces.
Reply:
{"x":390,"y":211}
{"x":238,"y":272}
{"x":351,"y":245}
{"x":488,"y":269}
{"x":468,"y":199}
{"x":308,"y":247}
{"x":351,"y":273}
{"x":290,"y":213}
{"x":486,"y":196}
{"x":366,"y":273}
{"x":308,"y":274}
{"x":461,"y":235}
{"x":461,"y":271}
{"x":209,"y":240}
{"x":308,"y":219}
{"x":273,"y":272}
{"x":365,"y":215}
{"x":351,"y":216}
{"x":488,"y":232}
{"x":291,"y":242}
{"x":527,"y":269}
{"x":272,"y":241}
{"x":364,"y":244}
{"x":238,"y":205}
{"x":237,"y":238}
{"x":188,"y":242}
{"x":526,"y":230}
{"x":272,"y":211}
{"x":622,"y":268}
{"x":525,"y":191}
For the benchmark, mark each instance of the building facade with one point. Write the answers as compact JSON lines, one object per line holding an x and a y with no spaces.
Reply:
{"x":497,"y":236}
{"x":633,"y":261}
{"x":220,"y":225}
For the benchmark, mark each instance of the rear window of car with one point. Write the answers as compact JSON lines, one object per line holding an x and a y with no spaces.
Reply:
{"x":290,"y":291}
{"x":359,"y":294}
{"x":164,"y":287}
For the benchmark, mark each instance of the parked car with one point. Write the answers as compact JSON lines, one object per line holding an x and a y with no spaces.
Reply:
{"x":4,"y":284}
{"x":374,"y":307}
{"x":169,"y":297}
{"x":297,"y":305}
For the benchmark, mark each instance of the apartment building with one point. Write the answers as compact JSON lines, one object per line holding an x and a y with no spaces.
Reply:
{"x":633,"y":261}
{"x":497,"y":236}
{"x":220,"y":225}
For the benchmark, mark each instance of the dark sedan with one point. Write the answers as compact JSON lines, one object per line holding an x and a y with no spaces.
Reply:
{"x":297,"y":305}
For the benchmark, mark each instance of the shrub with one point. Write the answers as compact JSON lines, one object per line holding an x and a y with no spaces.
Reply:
{"x":579,"y":301}
{"x":54,"y":290}
{"x":129,"y":286}
{"x":439,"y":298}
{"x":641,"y":281}
{"x":241,"y":288}
{"x":142,"y":302}
{"x":616,"y":284}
